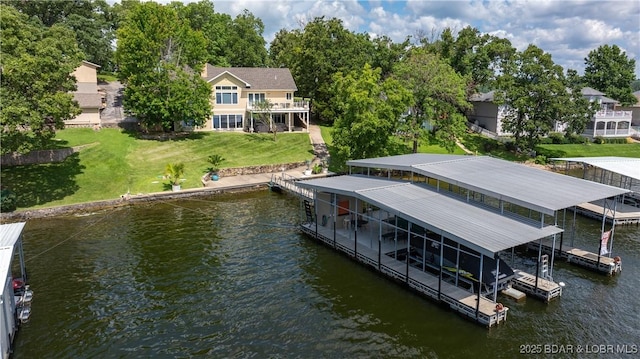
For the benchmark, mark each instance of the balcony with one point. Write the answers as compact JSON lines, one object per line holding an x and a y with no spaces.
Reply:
{"x":613,"y":115}
{"x":296,"y":106}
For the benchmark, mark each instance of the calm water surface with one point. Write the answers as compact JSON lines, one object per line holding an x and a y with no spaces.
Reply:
{"x":230,"y":276}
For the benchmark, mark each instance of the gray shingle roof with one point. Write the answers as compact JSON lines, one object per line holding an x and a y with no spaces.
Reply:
{"x":257,"y":78}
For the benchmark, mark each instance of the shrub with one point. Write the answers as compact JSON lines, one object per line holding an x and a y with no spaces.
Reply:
{"x":557,"y":138}
{"x":317,"y":168}
{"x":173,"y":172}
{"x":541,"y":159}
{"x":215,"y":160}
{"x":8,"y":201}
{"x":576,"y":139}
{"x":598,"y":140}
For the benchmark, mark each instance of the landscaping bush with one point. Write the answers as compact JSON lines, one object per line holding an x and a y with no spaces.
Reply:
{"x":8,"y":201}
{"x":557,"y":138}
{"x":576,"y":139}
{"x":598,"y":140}
{"x":541,"y":159}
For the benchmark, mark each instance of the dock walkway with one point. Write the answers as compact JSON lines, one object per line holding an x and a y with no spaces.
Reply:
{"x":458,"y":299}
{"x":624,"y":214}
{"x":580,"y":257}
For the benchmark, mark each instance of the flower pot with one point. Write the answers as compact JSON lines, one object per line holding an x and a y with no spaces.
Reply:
{"x":307,"y":172}
{"x":215,"y":177}
{"x":175,"y":187}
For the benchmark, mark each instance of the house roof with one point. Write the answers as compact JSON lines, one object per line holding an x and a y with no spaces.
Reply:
{"x":588,"y":91}
{"x":9,"y":235}
{"x":88,"y":100}
{"x":483,"y":230}
{"x":482,"y":97}
{"x":540,"y":190}
{"x":256,"y":78}
{"x":91,"y":64}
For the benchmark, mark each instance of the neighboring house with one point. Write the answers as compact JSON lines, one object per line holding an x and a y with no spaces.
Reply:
{"x":635,"y":111}
{"x":90,"y":100}
{"x":235,"y":92}
{"x":607,"y":122}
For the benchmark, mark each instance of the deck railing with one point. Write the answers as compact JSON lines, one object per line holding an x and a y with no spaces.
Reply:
{"x":278,"y":106}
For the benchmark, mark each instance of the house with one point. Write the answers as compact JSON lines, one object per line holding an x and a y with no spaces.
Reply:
{"x":89,"y":98}
{"x":635,"y":111}
{"x":608,"y":121}
{"x":238,"y":94}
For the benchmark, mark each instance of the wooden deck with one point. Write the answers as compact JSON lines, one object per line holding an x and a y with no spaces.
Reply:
{"x":544,"y":289}
{"x":580,"y":257}
{"x":458,"y":299}
{"x":624,"y":214}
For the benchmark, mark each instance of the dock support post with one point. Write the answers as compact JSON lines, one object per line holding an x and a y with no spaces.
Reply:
{"x":538,"y":263}
{"x":335,"y":217}
{"x":479,"y":288}
{"x":495,"y":284}
{"x":355,"y":233}
{"x":441,"y":264}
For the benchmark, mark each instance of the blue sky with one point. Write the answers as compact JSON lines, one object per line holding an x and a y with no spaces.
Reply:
{"x":567,"y":30}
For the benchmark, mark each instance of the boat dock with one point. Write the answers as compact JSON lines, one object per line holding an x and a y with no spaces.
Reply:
{"x":582,"y":258}
{"x":487,"y":312}
{"x":624,"y":214}
{"x":538,"y":287}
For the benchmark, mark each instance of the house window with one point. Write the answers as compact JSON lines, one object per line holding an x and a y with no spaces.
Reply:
{"x":227,"y":122}
{"x":227,"y":95}
{"x":256,"y":98}
{"x":289,"y":95}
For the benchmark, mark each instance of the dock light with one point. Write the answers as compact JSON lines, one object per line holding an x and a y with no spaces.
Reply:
{"x":561,"y":284}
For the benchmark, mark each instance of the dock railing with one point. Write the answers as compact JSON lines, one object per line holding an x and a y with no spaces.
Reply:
{"x":288,"y":183}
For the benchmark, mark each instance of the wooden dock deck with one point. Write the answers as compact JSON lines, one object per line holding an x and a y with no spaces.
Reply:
{"x":580,"y":257}
{"x":624,"y":214}
{"x":544,"y":289}
{"x":458,"y":299}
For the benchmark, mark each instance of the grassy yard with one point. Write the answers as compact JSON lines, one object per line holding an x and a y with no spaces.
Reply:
{"x":591,"y":150}
{"x":114,"y":162}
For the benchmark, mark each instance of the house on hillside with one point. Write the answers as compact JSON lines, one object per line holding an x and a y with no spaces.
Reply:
{"x":635,"y":111}
{"x":88,"y":96}
{"x":609,"y":121}
{"x":237,"y":93}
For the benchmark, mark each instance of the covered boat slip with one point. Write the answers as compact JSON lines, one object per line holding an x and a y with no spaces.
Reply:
{"x":510,"y":188}
{"x":436,"y":243}
{"x":623,"y":172}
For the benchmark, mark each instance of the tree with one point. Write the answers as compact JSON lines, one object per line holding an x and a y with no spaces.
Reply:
{"x":246,"y":46}
{"x":215,"y":27}
{"x":315,"y":54}
{"x":608,"y":69}
{"x":369,"y":109}
{"x":160,"y":59}
{"x":34,"y":103}
{"x":534,"y":93}
{"x":90,"y":20}
{"x":263,"y":111}
{"x":479,"y":57}
{"x":439,"y":99}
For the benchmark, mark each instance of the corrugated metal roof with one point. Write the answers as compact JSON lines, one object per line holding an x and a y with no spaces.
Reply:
{"x":478,"y":228}
{"x":9,"y":235}
{"x":626,"y":166}
{"x":540,"y":190}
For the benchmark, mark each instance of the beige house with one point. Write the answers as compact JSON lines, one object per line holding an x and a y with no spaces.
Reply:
{"x":608,"y":121}
{"x":89,"y":98}
{"x":238,"y":92}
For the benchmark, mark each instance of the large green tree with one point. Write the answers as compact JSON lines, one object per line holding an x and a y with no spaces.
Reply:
{"x":215,"y":27}
{"x":36,"y":63}
{"x":477,"y":56}
{"x":440,"y":99}
{"x":321,"y":49}
{"x":246,"y":45}
{"x":533,"y":91}
{"x":369,"y":109}
{"x":609,"y":69}
{"x":90,"y":20}
{"x":160,"y":59}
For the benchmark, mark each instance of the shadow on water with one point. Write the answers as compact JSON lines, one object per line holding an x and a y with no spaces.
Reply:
{"x":40,"y":184}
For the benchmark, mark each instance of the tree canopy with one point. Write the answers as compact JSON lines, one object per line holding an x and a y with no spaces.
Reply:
{"x":439,"y":95}
{"x":36,"y":63}
{"x":160,"y":60}
{"x":368,"y":112}
{"x":534,"y":95}
{"x":608,"y":69}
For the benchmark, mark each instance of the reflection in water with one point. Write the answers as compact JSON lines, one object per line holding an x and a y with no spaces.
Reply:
{"x":230,"y":276}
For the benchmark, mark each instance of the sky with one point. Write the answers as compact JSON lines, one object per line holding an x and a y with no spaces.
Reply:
{"x":566,"y":29}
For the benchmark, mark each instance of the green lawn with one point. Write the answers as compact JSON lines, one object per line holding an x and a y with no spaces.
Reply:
{"x":115,"y":162}
{"x":591,"y":150}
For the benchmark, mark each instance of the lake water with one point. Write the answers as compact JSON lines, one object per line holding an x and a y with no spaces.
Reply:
{"x":230,"y":277}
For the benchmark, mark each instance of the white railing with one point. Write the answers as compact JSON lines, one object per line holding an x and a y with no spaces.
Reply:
{"x":613,"y":114}
{"x":275,"y":106}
